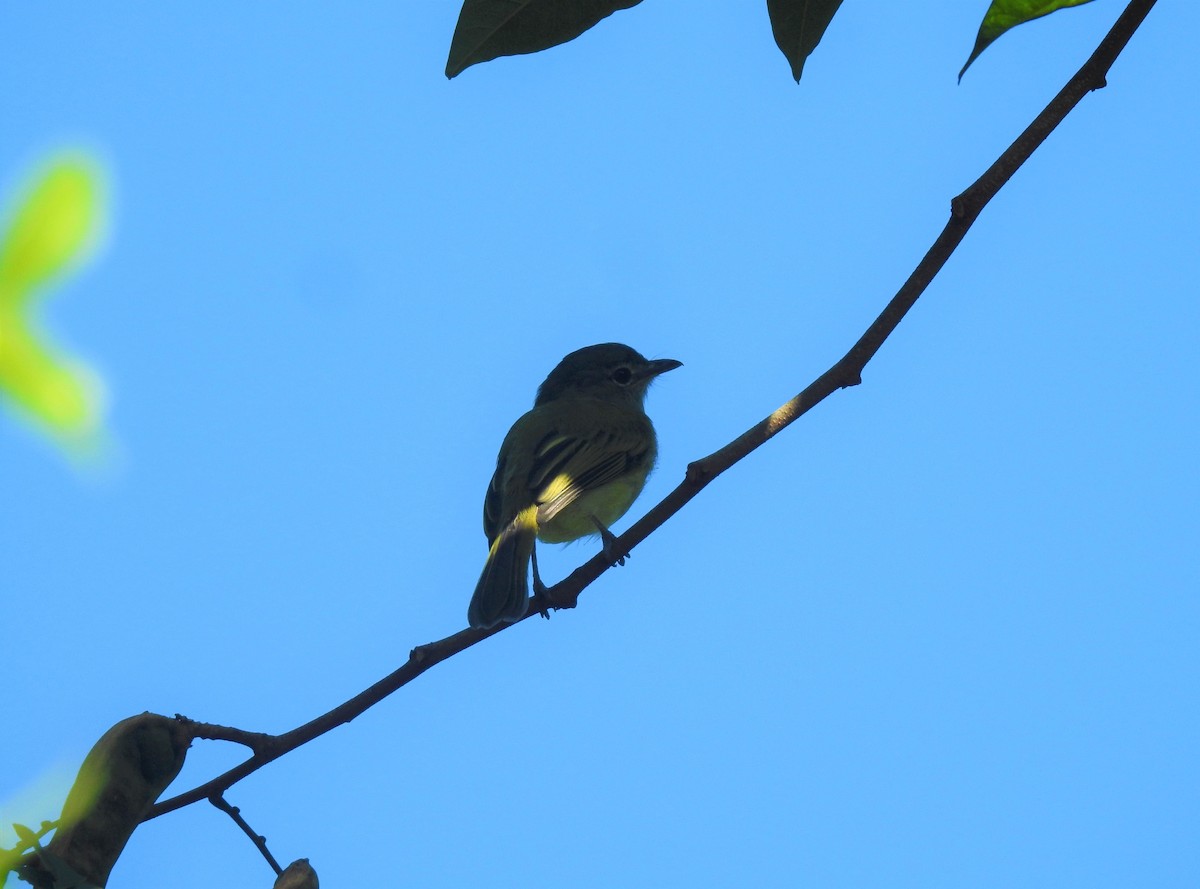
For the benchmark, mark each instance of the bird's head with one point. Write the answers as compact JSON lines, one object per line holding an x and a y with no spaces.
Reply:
{"x":608,"y":370}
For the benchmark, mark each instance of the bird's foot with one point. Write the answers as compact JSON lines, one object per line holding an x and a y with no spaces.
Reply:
{"x":541,"y":598}
{"x":608,"y":545}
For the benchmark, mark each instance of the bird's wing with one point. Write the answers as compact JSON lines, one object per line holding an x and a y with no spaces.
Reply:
{"x":565,"y":464}
{"x":493,"y":500}
{"x":565,"y":467}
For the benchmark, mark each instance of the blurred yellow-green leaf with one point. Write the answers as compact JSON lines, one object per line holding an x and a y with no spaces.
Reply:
{"x":62,"y":394}
{"x":55,"y":220}
{"x":1005,"y":14}
{"x":52,"y":227}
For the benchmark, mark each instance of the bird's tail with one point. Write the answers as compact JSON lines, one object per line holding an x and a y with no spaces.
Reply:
{"x":502,"y":591}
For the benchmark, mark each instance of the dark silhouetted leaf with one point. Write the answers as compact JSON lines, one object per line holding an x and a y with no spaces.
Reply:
{"x":488,"y":29}
{"x":798,"y":26}
{"x":1005,"y":14}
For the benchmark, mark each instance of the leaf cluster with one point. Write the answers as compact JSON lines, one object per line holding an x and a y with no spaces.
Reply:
{"x":489,"y":29}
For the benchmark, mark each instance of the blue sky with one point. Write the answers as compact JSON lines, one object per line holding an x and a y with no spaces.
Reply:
{"x":942,"y":632}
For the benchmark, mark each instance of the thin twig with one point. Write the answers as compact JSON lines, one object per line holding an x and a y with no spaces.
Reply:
{"x":258,"y":839}
{"x":258,"y":742}
{"x":965,"y":209}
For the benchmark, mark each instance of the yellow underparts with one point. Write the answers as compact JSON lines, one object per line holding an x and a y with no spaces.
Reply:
{"x":605,"y":504}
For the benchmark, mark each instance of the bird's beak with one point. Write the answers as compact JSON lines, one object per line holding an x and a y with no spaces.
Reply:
{"x":660,"y":366}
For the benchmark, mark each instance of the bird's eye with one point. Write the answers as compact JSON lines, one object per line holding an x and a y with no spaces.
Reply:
{"x":622,"y":376}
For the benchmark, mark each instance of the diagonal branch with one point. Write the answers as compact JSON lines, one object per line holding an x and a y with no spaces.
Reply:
{"x":964,"y":210}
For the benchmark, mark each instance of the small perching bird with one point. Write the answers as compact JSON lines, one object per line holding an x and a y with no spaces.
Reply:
{"x":567,"y":469}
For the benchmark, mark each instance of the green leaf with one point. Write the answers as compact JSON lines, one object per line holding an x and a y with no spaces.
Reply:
{"x":55,"y":222}
{"x":798,"y":26}
{"x":1005,"y":14}
{"x":53,"y":226}
{"x":488,"y":29}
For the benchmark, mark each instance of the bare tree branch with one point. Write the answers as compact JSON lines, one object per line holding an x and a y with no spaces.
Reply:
{"x":260,"y":841}
{"x":258,"y":742}
{"x":965,"y":209}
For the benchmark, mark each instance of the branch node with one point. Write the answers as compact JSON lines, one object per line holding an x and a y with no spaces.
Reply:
{"x":698,"y":473}
{"x":259,"y":743}
{"x":555,"y":597}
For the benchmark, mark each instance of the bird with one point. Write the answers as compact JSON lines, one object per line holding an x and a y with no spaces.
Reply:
{"x":567,"y":469}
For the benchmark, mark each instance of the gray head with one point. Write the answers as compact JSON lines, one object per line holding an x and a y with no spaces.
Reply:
{"x":609,"y":370}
